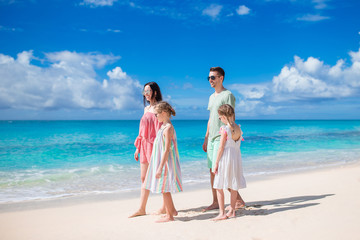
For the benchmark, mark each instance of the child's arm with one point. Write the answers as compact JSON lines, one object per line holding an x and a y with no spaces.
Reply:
{"x":221,"y":149}
{"x":168,"y":133}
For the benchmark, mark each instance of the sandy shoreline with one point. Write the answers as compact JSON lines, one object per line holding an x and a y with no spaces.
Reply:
{"x":321,"y":204}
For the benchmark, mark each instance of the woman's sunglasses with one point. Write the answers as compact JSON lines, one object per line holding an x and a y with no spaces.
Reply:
{"x":147,"y":92}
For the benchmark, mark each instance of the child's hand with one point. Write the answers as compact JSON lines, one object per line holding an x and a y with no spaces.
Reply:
{"x":216,"y":167}
{"x":158,"y":173}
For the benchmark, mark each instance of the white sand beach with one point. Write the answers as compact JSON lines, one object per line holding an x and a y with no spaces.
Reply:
{"x":321,"y":204}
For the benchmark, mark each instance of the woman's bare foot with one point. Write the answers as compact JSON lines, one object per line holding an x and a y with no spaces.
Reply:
{"x":220,"y":217}
{"x":165,"y":218}
{"x":138,"y":213}
{"x":213,"y":206}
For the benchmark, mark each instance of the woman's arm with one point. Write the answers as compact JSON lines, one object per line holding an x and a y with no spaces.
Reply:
{"x":168,"y":133}
{"x":139,"y":138}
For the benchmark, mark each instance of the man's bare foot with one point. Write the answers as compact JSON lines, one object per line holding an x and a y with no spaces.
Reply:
{"x":138,"y":213}
{"x":213,"y":206}
{"x":166,"y":218}
{"x":238,"y":205}
{"x":220,"y":217}
{"x":231,"y":213}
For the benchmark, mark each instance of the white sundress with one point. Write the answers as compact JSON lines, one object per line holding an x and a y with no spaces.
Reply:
{"x":230,"y":172}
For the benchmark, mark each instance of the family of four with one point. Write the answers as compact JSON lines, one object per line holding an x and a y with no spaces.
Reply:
{"x":159,"y":157}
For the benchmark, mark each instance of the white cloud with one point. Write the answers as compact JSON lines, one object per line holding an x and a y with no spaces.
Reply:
{"x":355,"y":56}
{"x":113,"y":30}
{"x":212,"y":11}
{"x":312,"y":18}
{"x":68,"y":82}
{"x":336,"y":71}
{"x":320,"y":4}
{"x":98,"y":3}
{"x":251,"y":108}
{"x":243,"y":10}
{"x":103,"y":31}
{"x":187,"y":85}
{"x":251,"y":91}
{"x":8,"y":1}
{"x":311,"y":65}
{"x":294,"y":84}
{"x":172,"y":9}
{"x":5,"y":59}
{"x":117,"y":73}
{"x":305,"y":81}
{"x":10,"y":29}
{"x":312,"y":79}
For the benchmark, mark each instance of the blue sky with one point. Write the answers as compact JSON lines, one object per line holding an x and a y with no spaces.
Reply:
{"x":88,"y":59}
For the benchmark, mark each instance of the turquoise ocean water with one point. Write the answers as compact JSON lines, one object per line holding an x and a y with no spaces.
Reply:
{"x":51,"y":159}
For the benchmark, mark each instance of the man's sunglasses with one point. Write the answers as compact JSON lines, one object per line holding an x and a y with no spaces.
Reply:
{"x":212,"y":77}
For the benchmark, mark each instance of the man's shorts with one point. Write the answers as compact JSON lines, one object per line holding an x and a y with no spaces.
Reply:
{"x":212,"y":149}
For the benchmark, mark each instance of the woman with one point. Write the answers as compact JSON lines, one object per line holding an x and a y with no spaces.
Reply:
{"x":149,"y":126}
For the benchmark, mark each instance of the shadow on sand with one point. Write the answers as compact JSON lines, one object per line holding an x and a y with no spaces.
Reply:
{"x":259,"y":208}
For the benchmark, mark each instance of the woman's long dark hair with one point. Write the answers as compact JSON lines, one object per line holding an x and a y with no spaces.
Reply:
{"x":155,"y":91}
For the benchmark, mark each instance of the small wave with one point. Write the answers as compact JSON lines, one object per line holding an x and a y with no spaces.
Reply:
{"x":31,"y":184}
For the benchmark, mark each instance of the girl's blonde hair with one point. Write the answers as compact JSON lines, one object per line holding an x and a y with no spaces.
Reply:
{"x":227,"y":111}
{"x":165,"y":107}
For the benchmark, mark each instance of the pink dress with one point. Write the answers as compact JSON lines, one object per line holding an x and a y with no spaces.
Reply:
{"x":149,"y":125}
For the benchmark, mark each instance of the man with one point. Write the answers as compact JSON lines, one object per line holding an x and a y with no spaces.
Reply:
{"x":212,"y":138}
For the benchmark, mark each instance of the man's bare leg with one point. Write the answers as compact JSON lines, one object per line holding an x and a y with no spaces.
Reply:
{"x":233,"y":200}
{"x":215,"y":204}
{"x":239,"y":202}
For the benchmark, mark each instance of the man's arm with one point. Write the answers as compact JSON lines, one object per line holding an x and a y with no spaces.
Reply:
{"x":206,"y":137}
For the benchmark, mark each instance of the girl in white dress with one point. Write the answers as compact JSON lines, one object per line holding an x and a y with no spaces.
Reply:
{"x":228,"y":167}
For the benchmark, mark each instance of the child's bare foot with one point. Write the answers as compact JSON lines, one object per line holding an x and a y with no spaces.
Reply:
{"x":163,"y":211}
{"x":213,"y":206}
{"x":220,"y":217}
{"x":138,"y":213}
{"x":165,"y":218}
{"x":159,"y":212}
{"x":231,"y":213}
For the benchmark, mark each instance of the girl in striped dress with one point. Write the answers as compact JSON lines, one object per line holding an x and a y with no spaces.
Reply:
{"x":164,"y":174}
